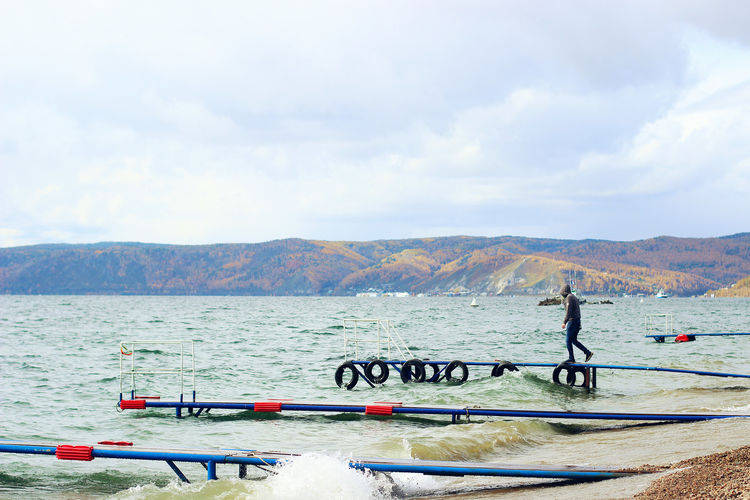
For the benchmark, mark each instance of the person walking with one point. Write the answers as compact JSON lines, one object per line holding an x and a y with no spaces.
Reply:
{"x":572,"y":324}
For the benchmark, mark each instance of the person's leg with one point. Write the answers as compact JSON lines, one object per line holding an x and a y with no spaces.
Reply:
{"x":574,"y":339}
{"x":570,"y":337}
{"x":581,"y":347}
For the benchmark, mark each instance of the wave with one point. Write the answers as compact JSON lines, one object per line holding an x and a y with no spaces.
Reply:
{"x":13,"y":480}
{"x":475,"y":441}
{"x":307,"y":476}
{"x":106,"y":482}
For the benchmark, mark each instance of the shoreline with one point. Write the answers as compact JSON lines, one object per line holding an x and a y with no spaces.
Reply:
{"x":719,"y":475}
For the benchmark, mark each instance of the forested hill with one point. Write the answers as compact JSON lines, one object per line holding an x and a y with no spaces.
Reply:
{"x":458,"y":264}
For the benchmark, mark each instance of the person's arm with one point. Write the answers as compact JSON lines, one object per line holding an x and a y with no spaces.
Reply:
{"x":566,"y":300}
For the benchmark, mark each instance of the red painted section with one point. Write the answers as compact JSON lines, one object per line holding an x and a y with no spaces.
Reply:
{"x":378,"y":410}
{"x":68,"y":452}
{"x":132,"y":404}
{"x":681,"y":338}
{"x":267,"y":406}
{"x":116,"y":443}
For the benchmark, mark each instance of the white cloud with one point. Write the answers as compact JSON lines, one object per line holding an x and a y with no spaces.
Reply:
{"x":246,"y":122}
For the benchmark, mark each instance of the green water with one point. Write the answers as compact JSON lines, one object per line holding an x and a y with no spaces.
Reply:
{"x":59,"y":366}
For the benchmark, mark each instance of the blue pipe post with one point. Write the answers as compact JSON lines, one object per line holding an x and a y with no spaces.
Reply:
{"x":209,"y":458}
{"x":177,"y":471}
{"x":211,"y":470}
{"x":362,"y":374}
{"x":430,"y":410}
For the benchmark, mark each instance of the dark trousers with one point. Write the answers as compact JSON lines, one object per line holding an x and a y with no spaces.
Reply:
{"x":571,"y":339}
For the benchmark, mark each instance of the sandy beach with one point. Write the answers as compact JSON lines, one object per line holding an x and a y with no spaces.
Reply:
{"x":724,"y":475}
{"x":699,"y":460}
{"x":719,"y":475}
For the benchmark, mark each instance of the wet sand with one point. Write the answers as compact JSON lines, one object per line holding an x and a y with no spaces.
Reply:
{"x":698,"y":460}
{"x":720,"y":475}
{"x":723,"y":475}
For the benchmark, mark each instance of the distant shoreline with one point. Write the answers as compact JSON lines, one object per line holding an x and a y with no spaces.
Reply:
{"x":457,"y":297}
{"x":455,"y":265}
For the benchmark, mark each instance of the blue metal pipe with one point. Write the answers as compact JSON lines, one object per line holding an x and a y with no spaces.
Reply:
{"x":593,"y":365}
{"x":563,"y":414}
{"x":211,"y":458}
{"x":27,"y":449}
{"x":493,"y":412}
{"x":211,"y":470}
{"x":478,"y":471}
{"x":177,"y":471}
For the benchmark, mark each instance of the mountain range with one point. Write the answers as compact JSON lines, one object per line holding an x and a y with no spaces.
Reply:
{"x":444,"y":265}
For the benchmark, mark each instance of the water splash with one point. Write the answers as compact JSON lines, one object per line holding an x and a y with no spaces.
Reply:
{"x":310,"y":476}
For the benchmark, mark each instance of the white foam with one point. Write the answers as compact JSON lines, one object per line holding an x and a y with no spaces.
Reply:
{"x":310,"y":476}
{"x":315,"y":475}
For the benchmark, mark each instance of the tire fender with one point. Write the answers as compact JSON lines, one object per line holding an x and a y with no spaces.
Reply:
{"x":500,"y":368}
{"x":382,"y":370}
{"x":339,"y":376}
{"x":456,"y":365}
{"x":412,"y":371}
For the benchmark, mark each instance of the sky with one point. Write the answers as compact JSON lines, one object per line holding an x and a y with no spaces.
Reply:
{"x":216,"y":122}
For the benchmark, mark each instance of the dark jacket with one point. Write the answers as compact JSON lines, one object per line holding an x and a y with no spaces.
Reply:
{"x":572,"y":308}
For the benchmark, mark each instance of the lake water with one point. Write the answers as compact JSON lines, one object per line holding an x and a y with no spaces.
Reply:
{"x":59,"y":368}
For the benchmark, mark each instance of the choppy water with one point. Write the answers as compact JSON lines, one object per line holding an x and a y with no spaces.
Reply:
{"x":59,"y":371}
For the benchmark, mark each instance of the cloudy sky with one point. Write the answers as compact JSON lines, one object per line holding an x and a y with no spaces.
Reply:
{"x":243,"y":122}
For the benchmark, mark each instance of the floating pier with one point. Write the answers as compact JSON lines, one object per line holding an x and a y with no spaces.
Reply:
{"x":384,"y":408}
{"x":376,"y":372}
{"x":688,"y":337}
{"x":411,"y":370}
{"x":660,"y":326}
{"x":260,"y":459}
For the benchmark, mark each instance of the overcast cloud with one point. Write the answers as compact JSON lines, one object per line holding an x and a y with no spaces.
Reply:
{"x":243,"y":122}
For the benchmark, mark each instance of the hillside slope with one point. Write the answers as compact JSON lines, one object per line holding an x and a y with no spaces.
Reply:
{"x":739,"y":289}
{"x":506,"y":264}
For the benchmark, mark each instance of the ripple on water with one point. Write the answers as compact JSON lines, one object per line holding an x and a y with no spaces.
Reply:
{"x":65,"y":381}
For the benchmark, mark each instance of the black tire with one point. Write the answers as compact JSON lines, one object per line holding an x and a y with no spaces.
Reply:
{"x":499,"y":369}
{"x":659,"y":339}
{"x":382,"y":371}
{"x":456,"y":365}
{"x":586,"y":374}
{"x":339,"y":376}
{"x":412,"y":370}
{"x":435,"y":377}
{"x":570,"y":378}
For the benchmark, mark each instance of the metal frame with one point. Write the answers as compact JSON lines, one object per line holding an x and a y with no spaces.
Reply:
{"x":385,"y":333}
{"x":652,"y":324}
{"x":131,"y":345}
{"x":210,"y":458}
{"x":589,"y":370}
{"x":660,"y":338}
{"x":455,"y":412}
